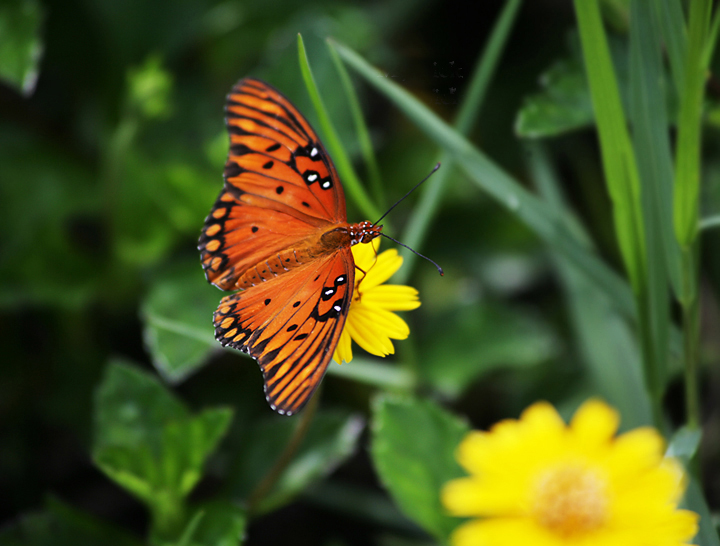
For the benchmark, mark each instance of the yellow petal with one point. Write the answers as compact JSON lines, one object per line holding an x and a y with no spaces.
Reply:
{"x":365,"y":254}
{"x":476,"y":497}
{"x":633,"y":453}
{"x":392,"y":297}
{"x":542,"y":420}
{"x":594,"y":425}
{"x":633,"y":491}
{"x":343,"y":351}
{"x":504,"y":532}
{"x":365,"y":332}
{"x":383,"y":321}
{"x":649,"y":491}
{"x":384,"y":267}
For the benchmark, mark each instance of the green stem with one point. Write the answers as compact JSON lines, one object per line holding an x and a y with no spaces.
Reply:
{"x":168,"y":515}
{"x":269,"y":480}
{"x":651,"y":372}
{"x":691,"y":338}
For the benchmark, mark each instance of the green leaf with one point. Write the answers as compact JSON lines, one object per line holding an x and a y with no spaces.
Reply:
{"x":684,"y":444}
{"x":413,"y":449}
{"x":376,"y":373}
{"x":149,"y":443}
{"x":190,"y":528}
{"x":332,"y":437}
{"x":222,"y":524}
{"x":605,"y":341}
{"x":63,"y":525}
{"x":177,"y":315}
{"x":564,"y":105}
{"x":480,"y":338}
{"x":695,"y":500}
{"x":20,"y":43}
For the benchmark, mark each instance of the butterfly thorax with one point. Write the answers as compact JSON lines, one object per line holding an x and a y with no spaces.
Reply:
{"x":326,"y":243}
{"x":349,"y":235}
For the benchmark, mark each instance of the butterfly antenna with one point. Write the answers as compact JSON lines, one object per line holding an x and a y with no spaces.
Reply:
{"x":435,"y":168}
{"x":440,"y":270}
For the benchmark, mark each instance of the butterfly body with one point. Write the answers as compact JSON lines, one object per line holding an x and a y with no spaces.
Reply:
{"x":313,"y":248}
{"x":279,"y":234}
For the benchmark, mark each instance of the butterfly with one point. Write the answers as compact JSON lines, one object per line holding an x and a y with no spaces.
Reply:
{"x":278,"y":234}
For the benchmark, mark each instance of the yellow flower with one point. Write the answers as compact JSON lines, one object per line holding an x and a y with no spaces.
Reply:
{"x":370,"y":321}
{"x":539,"y":482}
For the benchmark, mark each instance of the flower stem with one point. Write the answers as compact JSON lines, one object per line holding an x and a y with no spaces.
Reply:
{"x":691,"y":333}
{"x":267,"y":483}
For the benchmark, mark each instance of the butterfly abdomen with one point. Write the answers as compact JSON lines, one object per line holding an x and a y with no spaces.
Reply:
{"x":273,"y":266}
{"x":291,"y":258}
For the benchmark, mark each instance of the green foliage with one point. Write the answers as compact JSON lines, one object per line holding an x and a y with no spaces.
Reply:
{"x":413,"y":448}
{"x":59,"y":524}
{"x":603,"y":338}
{"x":563,"y":106}
{"x":489,"y":337}
{"x":332,"y":438}
{"x":149,"y":87}
{"x":177,"y":313}
{"x":20,"y":43}
{"x":216,"y":523}
{"x":150,"y":444}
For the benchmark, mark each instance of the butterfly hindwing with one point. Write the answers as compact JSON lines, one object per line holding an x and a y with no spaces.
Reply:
{"x":290,"y":325}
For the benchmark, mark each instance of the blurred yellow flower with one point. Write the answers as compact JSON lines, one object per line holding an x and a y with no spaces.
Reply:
{"x":539,"y":482}
{"x":371,"y":321}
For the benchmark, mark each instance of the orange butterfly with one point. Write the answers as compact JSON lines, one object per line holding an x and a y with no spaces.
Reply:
{"x":278,"y":232}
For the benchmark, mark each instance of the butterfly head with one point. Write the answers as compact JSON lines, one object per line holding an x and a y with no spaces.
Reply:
{"x":363,"y":232}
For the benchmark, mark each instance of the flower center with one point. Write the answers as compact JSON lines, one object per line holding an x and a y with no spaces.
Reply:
{"x":570,"y":500}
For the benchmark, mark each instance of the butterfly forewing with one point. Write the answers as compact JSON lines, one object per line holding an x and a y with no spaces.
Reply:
{"x":280,"y":185}
{"x":282,"y":146}
{"x":292,"y":332}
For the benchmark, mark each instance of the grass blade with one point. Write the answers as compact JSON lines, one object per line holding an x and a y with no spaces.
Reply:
{"x":431,"y":198}
{"x":652,"y":147}
{"x":672,"y":24}
{"x":350,"y":180}
{"x":618,"y":157}
{"x":687,"y":163}
{"x":605,"y":340}
{"x":548,"y":224}
{"x":361,"y":128}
